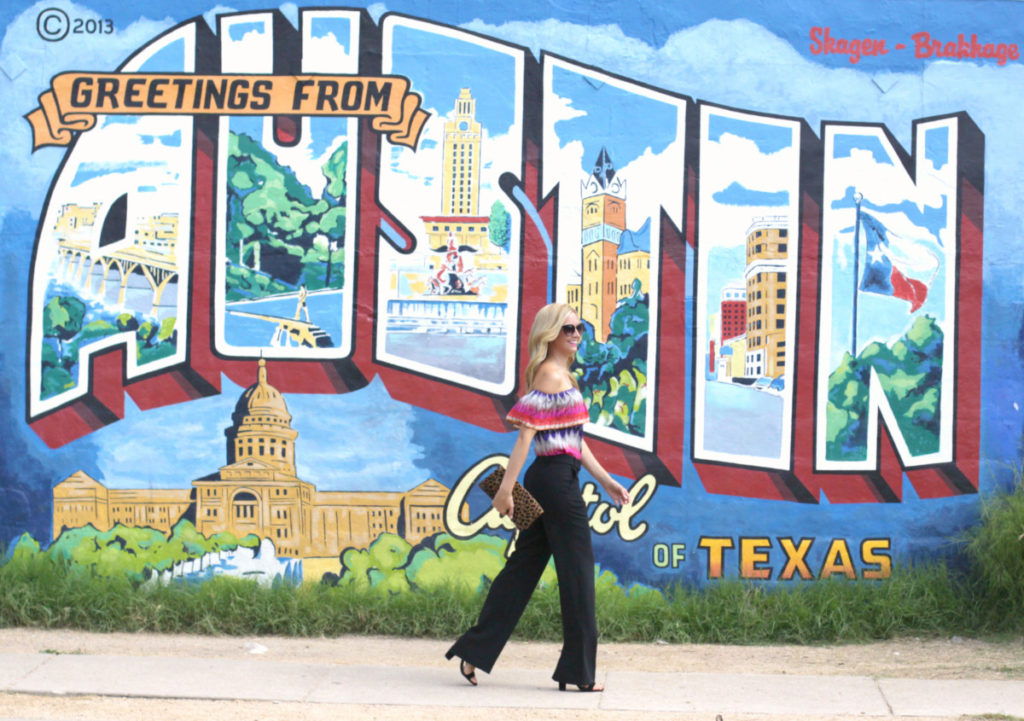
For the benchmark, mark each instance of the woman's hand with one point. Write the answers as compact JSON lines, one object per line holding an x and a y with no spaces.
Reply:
{"x":619,"y":495}
{"x":503,"y":503}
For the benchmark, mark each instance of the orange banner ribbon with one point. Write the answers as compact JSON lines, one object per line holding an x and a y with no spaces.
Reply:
{"x":75,"y":99}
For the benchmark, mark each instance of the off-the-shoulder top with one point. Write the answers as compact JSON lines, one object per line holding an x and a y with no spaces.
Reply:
{"x":558,"y":419}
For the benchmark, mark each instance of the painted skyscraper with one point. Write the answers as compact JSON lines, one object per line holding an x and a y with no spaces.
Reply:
{"x":765,"y":277}
{"x":460,"y":176}
{"x":459,"y":222}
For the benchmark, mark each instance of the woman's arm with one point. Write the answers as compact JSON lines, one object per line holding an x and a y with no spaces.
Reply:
{"x":614,"y":489}
{"x":502,"y":501}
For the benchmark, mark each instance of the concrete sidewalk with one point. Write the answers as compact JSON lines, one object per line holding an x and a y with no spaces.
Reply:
{"x":414,"y":684}
{"x":711,"y":694}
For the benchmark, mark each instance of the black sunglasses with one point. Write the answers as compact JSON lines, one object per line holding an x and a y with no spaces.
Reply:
{"x":568,"y":329}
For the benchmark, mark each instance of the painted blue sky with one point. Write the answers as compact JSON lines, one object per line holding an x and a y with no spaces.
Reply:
{"x":626,"y":123}
{"x":168,"y":59}
{"x":238,"y":31}
{"x":441,"y":66}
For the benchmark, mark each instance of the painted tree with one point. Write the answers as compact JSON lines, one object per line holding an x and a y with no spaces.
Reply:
{"x":499,"y":229}
{"x":62,"y":319}
{"x":274,"y":220}
{"x":614,"y":373}
{"x":910,"y":373}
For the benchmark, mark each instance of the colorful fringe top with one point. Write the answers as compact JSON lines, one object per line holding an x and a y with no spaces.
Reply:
{"x":558,"y":419}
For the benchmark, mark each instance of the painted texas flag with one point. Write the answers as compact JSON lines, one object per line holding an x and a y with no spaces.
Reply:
{"x":896,"y":266}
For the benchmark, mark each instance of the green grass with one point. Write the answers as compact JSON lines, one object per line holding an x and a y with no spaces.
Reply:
{"x":995,"y":550}
{"x":924,"y":600}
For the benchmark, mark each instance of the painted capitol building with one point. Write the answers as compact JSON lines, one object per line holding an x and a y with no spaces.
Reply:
{"x":258,"y":492}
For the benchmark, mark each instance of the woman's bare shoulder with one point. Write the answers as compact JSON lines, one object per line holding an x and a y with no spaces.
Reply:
{"x":551,"y":378}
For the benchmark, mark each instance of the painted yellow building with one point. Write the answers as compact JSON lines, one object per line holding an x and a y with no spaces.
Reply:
{"x":634,"y":267}
{"x":258,"y":492}
{"x":158,"y":234}
{"x":731,"y":360}
{"x":76,"y":222}
{"x":613,"y":259}
{"x":767,"y":250}
{"x":469,"y":230}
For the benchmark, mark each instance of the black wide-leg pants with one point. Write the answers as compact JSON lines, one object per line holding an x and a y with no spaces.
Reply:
{"x":561,"y":531}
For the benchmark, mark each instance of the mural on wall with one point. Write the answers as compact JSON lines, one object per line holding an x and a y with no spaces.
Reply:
{"x":270,"y":274}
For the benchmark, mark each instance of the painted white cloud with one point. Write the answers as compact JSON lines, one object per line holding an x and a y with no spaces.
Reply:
{"x":411,"y":179}
{"x":561,"y":108}
{"x":733,"y":159}
{"x":321,"y":54}
{"x":579,"y":42}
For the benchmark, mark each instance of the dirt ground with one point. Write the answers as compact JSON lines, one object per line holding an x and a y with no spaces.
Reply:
{"x":908,"y":658}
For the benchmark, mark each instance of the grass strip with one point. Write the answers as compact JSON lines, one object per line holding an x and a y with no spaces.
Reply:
{"x":922,"y":601}
{"x":927,"y":600}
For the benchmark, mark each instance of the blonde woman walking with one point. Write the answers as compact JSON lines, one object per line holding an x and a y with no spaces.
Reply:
{"x":550,"y":418}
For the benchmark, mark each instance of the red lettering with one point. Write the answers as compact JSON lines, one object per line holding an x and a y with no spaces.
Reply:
{"x":817,"y":47}
{"x":922,"y":45}
{"x":963,"y":49}
{"x":824,"y":44}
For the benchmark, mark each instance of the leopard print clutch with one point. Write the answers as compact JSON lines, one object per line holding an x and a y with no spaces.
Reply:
{"x":525,"y":509}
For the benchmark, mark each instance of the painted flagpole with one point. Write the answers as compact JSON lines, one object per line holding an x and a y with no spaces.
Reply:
{"x":857,"y":197}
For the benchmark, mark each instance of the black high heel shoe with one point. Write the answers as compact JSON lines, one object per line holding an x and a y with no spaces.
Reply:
{"x":471,"y":676}
{"x":585,"y":688}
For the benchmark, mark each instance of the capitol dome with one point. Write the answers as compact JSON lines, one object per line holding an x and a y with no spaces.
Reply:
{"x":261,"y":433}
{"x":261,"y":400}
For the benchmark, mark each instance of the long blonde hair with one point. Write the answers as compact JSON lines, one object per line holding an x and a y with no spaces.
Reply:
{"x":547,"y":324}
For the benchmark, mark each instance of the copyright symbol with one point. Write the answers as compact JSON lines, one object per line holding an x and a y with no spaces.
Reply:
{"x":53,"y":24}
